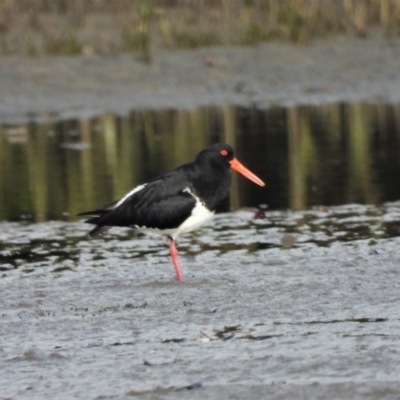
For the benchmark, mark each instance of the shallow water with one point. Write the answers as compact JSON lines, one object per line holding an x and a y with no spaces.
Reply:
{"x":62,"y":246}
{"x":293,"y":305}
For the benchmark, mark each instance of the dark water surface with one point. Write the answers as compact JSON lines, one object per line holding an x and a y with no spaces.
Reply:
{"x":321,"y":155}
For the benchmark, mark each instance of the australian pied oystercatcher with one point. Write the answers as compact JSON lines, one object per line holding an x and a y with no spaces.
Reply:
{"x":176,"y":202}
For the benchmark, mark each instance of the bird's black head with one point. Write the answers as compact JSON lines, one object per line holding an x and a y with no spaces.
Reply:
{"x":220,"y":157}
{"x":219,"y":154}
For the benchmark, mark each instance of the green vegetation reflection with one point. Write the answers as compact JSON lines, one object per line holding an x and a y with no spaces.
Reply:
{"x":324,"y":155}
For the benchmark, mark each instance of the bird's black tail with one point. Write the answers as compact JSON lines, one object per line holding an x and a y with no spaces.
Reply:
{"x":96,"y":218}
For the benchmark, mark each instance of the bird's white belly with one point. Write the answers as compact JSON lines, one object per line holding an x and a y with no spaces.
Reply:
{"x":199,"y":216}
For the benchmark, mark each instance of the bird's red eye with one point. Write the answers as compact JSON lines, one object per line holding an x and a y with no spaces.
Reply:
{"x":223,"y":153}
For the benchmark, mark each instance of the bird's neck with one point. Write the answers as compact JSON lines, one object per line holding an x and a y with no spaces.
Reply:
{"x":212,"y":186}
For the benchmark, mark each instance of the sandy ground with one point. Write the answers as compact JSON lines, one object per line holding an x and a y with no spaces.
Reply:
{"x":330,"y":70}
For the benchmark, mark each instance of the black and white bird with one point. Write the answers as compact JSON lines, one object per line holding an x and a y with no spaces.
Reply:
{"x":176,"y":202}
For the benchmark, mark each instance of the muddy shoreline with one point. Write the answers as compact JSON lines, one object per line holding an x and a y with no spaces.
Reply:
{"x":339,"y":69}
{"x":106,"y":319}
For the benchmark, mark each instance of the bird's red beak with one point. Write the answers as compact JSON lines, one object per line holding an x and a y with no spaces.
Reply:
{"x":239,"y":167}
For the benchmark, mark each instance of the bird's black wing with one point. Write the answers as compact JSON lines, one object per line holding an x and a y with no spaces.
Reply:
{"x":163,"y":203}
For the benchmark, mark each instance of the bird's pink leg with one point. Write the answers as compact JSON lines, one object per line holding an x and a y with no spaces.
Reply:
{"x":174,"y":255}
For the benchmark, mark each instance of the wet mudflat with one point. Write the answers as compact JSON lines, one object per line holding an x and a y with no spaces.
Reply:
{"x":294,"y":305}
{"x":336,"y":69}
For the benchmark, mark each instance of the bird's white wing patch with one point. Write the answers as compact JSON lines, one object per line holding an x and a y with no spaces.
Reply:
{"x":136,"y":189}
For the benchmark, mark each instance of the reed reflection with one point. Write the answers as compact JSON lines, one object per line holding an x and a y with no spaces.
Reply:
{"x":325,"y":155}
